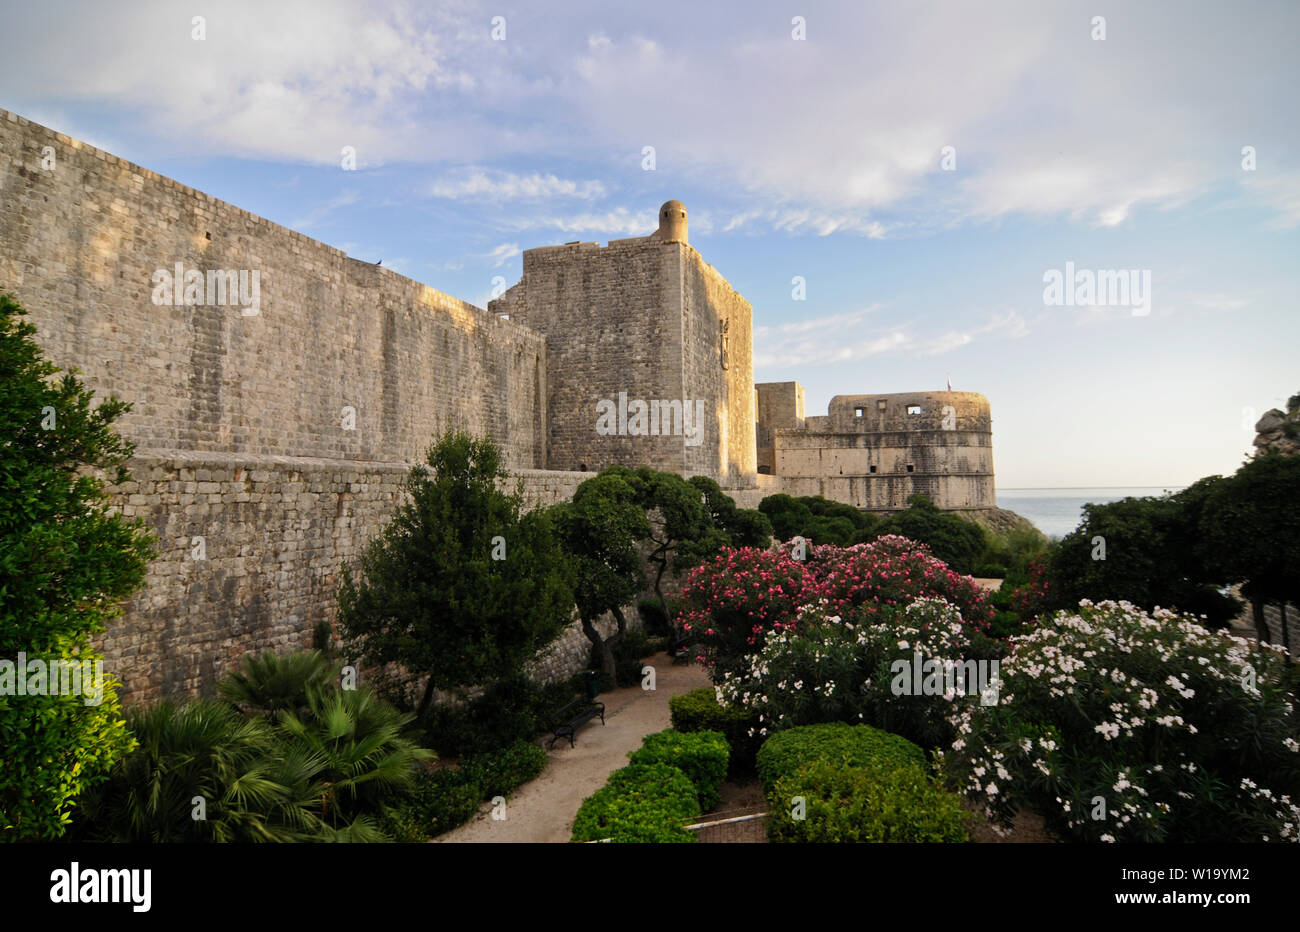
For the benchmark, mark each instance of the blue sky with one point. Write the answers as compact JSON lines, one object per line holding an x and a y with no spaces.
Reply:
{"x":819,"y":158}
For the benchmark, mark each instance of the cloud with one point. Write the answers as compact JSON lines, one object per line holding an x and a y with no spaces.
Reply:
{"x":616,"y":221}
{"x":503,"y":254}
{"x":318,"y":214}
{"x":831,"y":339}
{"x":296,"y":80}
{"x":501,"y":185}
{"x":839,"y":134}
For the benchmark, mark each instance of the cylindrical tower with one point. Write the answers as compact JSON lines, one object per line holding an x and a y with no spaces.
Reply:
{"x":672,"y":223}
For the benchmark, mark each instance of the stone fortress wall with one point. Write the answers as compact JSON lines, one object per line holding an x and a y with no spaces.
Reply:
{"x":646,"y":320}
{"x":246,"y":456}
{"x":874,"y":451}
{"x":272,"y":442}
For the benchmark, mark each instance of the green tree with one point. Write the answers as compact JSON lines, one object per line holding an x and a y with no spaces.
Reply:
{"x":1250,"y":528}
{"x":818,"y":520}
{"x":743,"y":527}
{"x":462,"y":587}
{"x":1148,"y":551}
{"x":600,"y":529}
{"x":789,"y":516}
{"x":66,"y":563}
{"x":679,"y":531}
{"x":952,"y":538}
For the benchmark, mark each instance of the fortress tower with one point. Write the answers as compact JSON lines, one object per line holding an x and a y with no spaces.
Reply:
{"x":874,"y":451}
{"x":641,"y":321}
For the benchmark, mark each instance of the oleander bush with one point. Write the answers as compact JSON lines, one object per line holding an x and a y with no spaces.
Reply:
{"x":701,"y":755}
{"x":699,"y":710}
{"x":1119,"y":725}
{"x":786,"y":752}
{"x":500,"y":772}
{"x":736,"y":601}
{"x":887,"y":670}
{"x":893,"y":571}
{"x":640,"y":803}
{"x":733,"y":600}
{"x":857,"y":804}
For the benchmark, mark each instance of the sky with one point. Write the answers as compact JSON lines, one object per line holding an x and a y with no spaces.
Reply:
{"x":922,"y":169}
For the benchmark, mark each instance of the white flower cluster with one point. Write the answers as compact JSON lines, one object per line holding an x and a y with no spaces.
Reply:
{"x":1094,"y":672}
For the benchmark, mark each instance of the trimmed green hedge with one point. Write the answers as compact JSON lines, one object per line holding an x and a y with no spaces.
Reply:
{"x":701,"y":755}
{"x":784,"y":753}
{"x":499,"y":772}
{"x":854,"y":804}
{"x":640,"y":803}
{"x":699,"y":710}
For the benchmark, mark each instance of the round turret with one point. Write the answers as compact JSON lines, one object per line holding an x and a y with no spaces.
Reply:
{"x":672,"y":223}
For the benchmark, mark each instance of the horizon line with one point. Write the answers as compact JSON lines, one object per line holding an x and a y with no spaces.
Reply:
{"x":1049,"y":488}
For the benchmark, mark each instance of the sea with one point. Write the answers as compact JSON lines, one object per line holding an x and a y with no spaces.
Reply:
{"x":1057,"y":512}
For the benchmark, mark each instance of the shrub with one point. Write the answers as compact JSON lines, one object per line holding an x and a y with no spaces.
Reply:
{"x":990,"y":571}
{"x":438,"y":801}
{"x":500,"y":772}
{"x":349,"y":750}
{"x":67,"y":563}
{"x":654,"y":617}
{"x":701,"y":755}
{"x":1186,"y":734}
{"x":832,"y":668}
{"x":510,"y":710}
{"x":640,"y":803}
{"x":736,"y":598}
{"x":786,"y":752}
{"x":699,"y":710}
{"x":896,"y":571}
{"x":271,"y":683}
{"x":864,"y":804}
{"x":629,"y":652}
{"x":196,"y":749}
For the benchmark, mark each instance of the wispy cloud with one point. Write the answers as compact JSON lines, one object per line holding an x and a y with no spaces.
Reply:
{"x":828,"y":340}
{"x":318,"y":214}
{"x":495,"y":185}
{"x":503,"y":254}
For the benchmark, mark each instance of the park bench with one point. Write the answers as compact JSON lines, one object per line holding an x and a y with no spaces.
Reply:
{"x":565,"y":723}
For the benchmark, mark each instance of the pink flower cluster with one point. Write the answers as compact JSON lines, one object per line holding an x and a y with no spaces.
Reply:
{"x":732,"y":602}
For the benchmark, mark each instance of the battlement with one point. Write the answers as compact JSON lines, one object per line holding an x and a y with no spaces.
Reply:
{"x":875,"y":451}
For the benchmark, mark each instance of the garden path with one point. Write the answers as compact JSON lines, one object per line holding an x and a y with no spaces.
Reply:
{"x":543,"y":810}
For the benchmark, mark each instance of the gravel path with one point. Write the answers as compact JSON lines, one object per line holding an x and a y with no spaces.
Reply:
{"x":543,"y":810}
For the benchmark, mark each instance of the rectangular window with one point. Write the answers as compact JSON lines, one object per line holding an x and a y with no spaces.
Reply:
{"x":911,"y":468}
{"x":871,"y":468}
{"x":881,"y":405}
{"x":913,"y":409}
{"x":859,"y":412}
